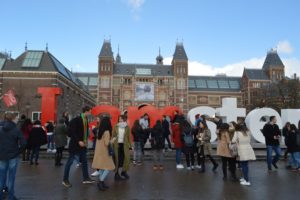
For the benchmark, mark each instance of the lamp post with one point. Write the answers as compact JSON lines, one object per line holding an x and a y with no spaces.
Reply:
{"x":27,"y":106}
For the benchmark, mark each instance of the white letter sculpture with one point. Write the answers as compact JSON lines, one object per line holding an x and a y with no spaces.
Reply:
{"x":229,"y":111}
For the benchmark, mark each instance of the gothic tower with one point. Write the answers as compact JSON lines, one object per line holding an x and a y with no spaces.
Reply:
{"x":180,"y":67}
{"x":105,"y":72}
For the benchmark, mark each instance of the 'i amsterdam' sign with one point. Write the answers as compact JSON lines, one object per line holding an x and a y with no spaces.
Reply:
{"x":228,"y":112}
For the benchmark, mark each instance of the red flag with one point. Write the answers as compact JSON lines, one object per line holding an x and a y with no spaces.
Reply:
{"x":9,"y":98}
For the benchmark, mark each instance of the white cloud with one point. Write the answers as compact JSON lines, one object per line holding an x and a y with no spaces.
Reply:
{"x":135,"y":6}
{"x":292,"y":65}
{"x":284,"y":47}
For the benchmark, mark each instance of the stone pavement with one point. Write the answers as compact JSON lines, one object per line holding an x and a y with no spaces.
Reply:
{"x":43,"y":182}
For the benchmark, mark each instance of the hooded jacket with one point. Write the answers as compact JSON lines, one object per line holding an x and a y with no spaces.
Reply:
{"x":12,"y":141}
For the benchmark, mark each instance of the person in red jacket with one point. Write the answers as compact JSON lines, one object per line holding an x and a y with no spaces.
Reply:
{"x":177,"y":140}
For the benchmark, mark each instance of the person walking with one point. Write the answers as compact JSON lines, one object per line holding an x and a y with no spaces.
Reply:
{"x":37,"y":138}
{"x":293,"y":147}
{"x":242,"y":138}
{"x":121,"y":147}
{"x":137,"y":133}
{"x":272,"y":136}
{"x":103,"y":160}
{"x":12,"y":143}
{"x":61,"y":140}
{"x":205,"y":146}
{"x":157,"y":144}
{"x":79,"y":133}
{"x":223,"y":151}
{"x":145,"y":123}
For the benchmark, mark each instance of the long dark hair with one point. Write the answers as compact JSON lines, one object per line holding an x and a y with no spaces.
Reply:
{"x":136,"y":126}
{"x":105,"y":125}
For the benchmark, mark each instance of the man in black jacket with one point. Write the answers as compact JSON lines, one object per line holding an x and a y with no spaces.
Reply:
{"x":78,"y":132}
{"x":272,"y":135}
{"x":12,"y":143}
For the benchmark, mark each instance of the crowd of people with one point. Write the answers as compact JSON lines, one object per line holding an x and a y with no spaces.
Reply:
{"x":112,"y":145}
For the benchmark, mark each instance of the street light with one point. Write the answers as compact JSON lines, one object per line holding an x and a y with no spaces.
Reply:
{"x":27,"y":106}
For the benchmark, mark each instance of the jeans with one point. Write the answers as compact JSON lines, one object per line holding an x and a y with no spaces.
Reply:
{"x":8,"y":167}
{"x":137,"y":154}
{"x":178,"y":156}
{"x":103,"y":174}
{"x":50,"y":139}
{"x":295,"y":159}
{"x":245,"y":169}
{"x":190,"y":159}
{"x":158,"y":156}
{"x":270,"y":149}
{"x":79,"y":156}
{"x":35,"y":152}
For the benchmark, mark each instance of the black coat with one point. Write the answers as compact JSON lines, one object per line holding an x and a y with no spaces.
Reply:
{"x":138,"y":134}
{"x":166,"y":127}
{"x":37,"y":137}
{"x":291,"y":142}
{"x":12,"y":141}
{"x":269,"y":132}
{"x":157,"y":138}
{"x":76,"y":133}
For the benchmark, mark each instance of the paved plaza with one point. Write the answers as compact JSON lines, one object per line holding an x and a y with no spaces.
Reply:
{"x":43,"y":182}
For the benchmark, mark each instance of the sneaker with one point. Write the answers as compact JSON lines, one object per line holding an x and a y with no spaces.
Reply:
{"x":139,"y":163}
{"x":242,"y":180}
{"x":49,"y":150}
{"x":134,"y":162}
{"x":198,"y":166}
{"x":179,"y":166}
{"x":53,"y":151}
{"x":125,"y":175}
{"x":88,"y":181}
{"x":161,"y":167}
{"x":67,"y":184}
{"x":154,"y":167}
{"x":96,"y":173}
{"x":192,"y":167}
{"x":5,"y":190}
{"x":245,"y":183}
{"x":188,"y":168}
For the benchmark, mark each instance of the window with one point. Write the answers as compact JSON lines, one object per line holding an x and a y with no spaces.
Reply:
{"x":32,"y":59}
{"x":223,"y":84}
{"x":212,"y":84}
{"x":104,"y":82}
{"x":36,"y":116}
{"x":127,"y":81}
{"x":2,"y":61}
{"x":180,"y":83}
{"x":93,"y":81}
{"x":160,"y":81}
{"x":214,"y":100}
{"x":192,"y":84}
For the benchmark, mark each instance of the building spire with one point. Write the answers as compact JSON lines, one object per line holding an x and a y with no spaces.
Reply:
{"x":25,"y":46}
{"x":47,"y":47}
{"x":159,"y":58}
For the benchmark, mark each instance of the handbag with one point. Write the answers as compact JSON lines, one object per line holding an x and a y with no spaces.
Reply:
{"x":110,"y":150}
{"x":233,"y":149}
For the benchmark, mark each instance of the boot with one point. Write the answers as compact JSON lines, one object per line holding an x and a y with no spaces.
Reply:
{"x":100,"y":186}
{"x":125,"y":175}
{"x":105,"y":186}
{"x":233,"y":177}
{"x":56,"y":159}
{"x":118,"y":177}
{"x":214,"y":163}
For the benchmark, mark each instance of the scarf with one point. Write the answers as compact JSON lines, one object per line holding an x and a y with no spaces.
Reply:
{"x":85,"y":128}
{"x":122,"y":124}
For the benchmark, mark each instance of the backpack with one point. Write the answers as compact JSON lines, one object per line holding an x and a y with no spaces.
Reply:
{"x":188,"y":139}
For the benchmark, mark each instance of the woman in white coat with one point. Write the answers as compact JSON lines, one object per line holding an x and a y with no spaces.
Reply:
{"x":245,"y":151}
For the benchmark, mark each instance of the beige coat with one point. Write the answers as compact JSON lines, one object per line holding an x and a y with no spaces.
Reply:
{"x":206,"y":136}
{"x":102,"y":160}
{"x":222,"y":147}
{"x":245,"y":151}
